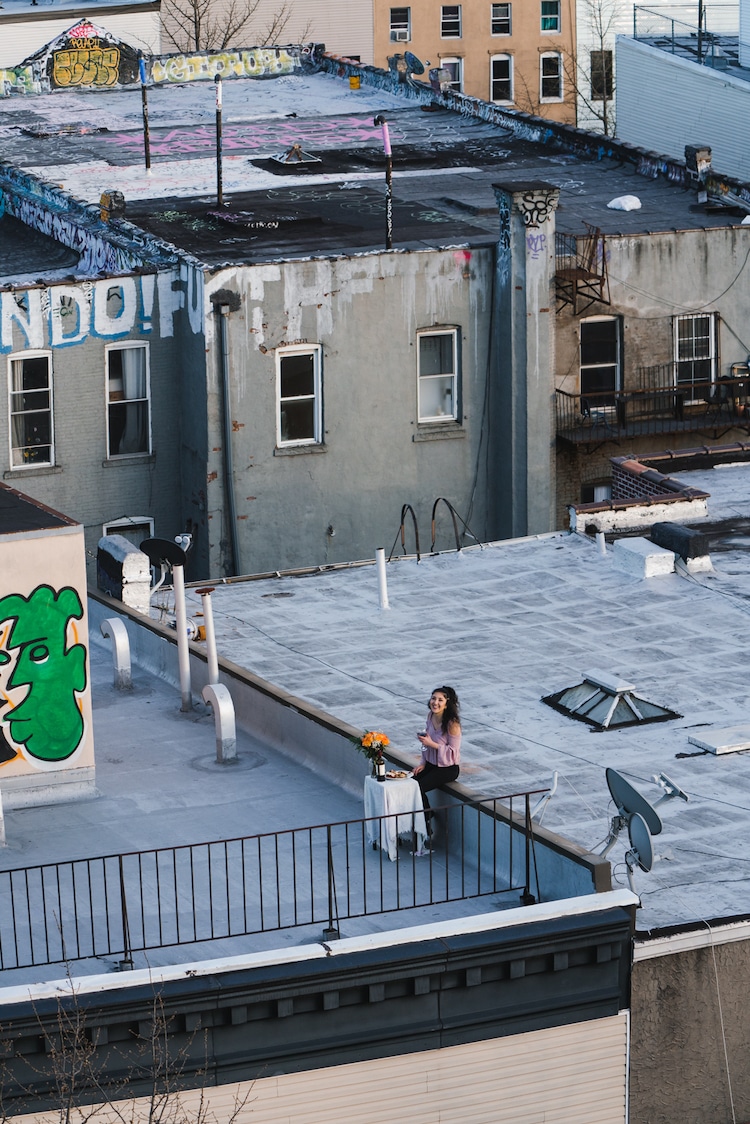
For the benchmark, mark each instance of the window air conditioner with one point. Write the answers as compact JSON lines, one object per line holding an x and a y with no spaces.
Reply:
{"x":400,"y":36}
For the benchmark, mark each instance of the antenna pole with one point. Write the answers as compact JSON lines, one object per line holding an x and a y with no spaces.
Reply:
{"x":146,"y":130}
{"x":219,"y":184}
{"x":380,"y":120}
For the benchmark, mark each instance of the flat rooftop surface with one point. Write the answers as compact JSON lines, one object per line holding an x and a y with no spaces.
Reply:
{"x":511,"y":623}
{"x":444,"y":168}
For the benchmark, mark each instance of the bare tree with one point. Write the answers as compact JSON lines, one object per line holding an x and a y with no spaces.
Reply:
{"x":590,"y":71}
{"x":205,"y":25}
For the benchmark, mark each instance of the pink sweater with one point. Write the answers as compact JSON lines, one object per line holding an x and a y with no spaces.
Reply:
{"x":449,"y":746}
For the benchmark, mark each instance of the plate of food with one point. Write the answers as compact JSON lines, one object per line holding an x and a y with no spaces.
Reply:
{"x":397,"y":775}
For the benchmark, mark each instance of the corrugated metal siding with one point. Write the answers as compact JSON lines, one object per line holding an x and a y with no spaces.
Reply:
{"x":19,"y":40}
{"x":697,"y":105}
{"x":563,"y":1075}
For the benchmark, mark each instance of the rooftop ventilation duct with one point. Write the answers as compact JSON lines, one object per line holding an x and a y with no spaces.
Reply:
{"x":295,"y":155}
{"x":607,"y":703}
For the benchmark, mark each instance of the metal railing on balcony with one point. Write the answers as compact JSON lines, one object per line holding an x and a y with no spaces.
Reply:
{"x":116,"y":905}
{"x":656,"y":406}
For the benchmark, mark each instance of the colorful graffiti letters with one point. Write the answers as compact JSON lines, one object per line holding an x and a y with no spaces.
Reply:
{"x":47,"y":724}
{"x":86,"y":66}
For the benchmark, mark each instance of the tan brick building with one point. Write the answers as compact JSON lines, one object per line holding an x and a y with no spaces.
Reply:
{"x":511,"y":53}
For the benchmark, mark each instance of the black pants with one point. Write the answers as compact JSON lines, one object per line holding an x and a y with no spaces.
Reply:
{"x":434,"y":776}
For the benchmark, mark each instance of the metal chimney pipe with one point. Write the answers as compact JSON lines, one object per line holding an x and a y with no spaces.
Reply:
{"x":183,"y":652}
{"x":382,"y":583}
{"x":208,"y":620}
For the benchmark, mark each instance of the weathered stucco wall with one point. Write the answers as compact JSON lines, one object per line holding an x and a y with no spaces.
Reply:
{"x":684,"y":1009}
{"x":374,"y":457}
{"x":74,"y":324}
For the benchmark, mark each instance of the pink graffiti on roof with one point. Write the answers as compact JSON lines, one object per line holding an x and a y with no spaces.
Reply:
{"x":83,"y":30}
{"x":329,"y":132}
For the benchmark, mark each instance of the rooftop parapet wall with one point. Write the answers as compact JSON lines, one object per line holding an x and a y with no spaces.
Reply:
{"x":111,"y":248}
{"x":641,"y":496}
{"x":538,"y":130}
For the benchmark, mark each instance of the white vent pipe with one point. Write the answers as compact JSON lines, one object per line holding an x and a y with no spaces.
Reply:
{"x":382,"y":582}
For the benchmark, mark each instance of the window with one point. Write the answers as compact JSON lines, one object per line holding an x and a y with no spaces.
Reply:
{"x":596,"y":493}
{"x":30,"y":391}
{"x":551,"y":78}
{"x":695,"y":349}
{"x":455,"y":68}
{"x":501,"y":78}
{"x":298,"y":380}
{"x":500,"y":20}
{"x":601,"y":75}
{"x":550,"y":15}
{"x":600,"y":361}
{"x":400,"y":25}
{"x":128,"y":405}
{"x":450,"y":21}
{"x":135,"y":530}
{"x":437,"y":381}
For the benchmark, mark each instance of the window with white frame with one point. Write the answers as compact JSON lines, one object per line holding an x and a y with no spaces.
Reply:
{"x":455,"y":68}
{"x":128,"y":400}
{"x":550,"y":77}
{"x":450,"y":21}
{"x":134,"y":529}
{"x":500,"y":19}
{"x":400,"y":25}
{"x":437,"y":381}
{"x":600,"y":361}
{"x":550,"y":15}
{"x":501,"y":78}
{"x":695,"y":350}
{"x":30,"y":409}
{"x":298,"y":371}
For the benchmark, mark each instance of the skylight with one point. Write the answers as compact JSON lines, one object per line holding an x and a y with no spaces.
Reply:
{"x":607,"y":703}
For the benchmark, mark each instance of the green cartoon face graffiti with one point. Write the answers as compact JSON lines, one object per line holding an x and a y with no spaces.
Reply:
{"x":47,"y":722}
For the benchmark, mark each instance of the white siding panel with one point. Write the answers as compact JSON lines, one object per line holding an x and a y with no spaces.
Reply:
{"x":696,"y":105}
{"x":563,"y":1075}
{"x":19,"y":40}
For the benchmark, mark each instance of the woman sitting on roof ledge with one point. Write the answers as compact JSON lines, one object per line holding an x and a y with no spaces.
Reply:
{"x":441,"y":743}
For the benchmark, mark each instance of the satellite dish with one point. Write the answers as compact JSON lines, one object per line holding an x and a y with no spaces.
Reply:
{"x":163,"y":552}
{"x":416,"y":66}
{"x":670,"y":789}
{"x":641,"y":848}
{"x":630,"y":802}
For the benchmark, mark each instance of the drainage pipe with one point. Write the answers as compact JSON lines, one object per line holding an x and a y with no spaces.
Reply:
{"x":222,"y":310}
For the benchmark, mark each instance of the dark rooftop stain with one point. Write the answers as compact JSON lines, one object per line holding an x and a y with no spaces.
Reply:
{"x":24,"y":251}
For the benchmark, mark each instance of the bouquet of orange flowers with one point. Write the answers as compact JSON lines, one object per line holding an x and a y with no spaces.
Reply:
{"x":372,"y":744}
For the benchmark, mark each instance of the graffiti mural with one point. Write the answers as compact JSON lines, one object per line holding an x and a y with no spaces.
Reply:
{"x":262,"y":62}
{"x":86,"y":57}
{"x":63,"y":315}
{"x":42,"y":676}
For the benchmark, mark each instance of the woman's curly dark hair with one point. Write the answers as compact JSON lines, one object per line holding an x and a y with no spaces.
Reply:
{"x":452,"y":712}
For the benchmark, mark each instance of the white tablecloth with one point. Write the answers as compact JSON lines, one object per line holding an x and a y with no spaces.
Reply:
{"x":397,"y":806}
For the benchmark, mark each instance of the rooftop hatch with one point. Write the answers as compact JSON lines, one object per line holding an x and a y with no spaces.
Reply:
{"x":607,"y":703}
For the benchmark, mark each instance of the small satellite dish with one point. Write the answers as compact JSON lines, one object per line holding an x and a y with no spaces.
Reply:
{"x":416,"y":66}
{"x":630,"y":802}
{"x":163,"y":552}
{"x":671,"y":789}
{"x":641,"y":848}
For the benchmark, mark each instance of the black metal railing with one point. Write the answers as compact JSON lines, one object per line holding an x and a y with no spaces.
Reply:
{"x":655,"y":406}
{"x":115,"y":905}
